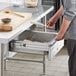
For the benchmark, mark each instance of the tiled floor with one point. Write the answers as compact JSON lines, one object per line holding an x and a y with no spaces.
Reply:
{"x":57,"y":67}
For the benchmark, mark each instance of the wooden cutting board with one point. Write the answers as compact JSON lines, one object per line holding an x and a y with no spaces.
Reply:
{"x":15,"y":19}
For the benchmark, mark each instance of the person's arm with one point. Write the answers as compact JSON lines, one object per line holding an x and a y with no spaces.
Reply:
{"x":55,"y":17}
{"x":69,"y":14}
{"x":64,"y":26}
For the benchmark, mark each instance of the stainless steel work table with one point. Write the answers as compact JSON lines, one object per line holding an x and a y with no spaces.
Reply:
{"x":5,"y":37}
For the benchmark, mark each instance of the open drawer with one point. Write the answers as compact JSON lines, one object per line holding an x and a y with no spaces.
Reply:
{"x":38,"y":42}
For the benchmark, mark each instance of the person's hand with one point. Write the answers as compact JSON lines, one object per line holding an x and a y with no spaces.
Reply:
{"x":50,"y":22}
{"x":59,"y":37}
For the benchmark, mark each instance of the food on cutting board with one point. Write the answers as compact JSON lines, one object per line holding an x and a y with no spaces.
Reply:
{"x":7,"y":11}
{"x":31,"y":3}
{"x":5,"y":28}
{"x":6,"y":20}
{"x":5,"y":25}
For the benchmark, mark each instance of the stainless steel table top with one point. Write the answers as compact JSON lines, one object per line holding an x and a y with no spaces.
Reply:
{"x":37,"y":11}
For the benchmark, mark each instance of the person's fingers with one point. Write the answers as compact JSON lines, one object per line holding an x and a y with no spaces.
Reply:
{"x":59,"y":37}
{"x":48,"y":23}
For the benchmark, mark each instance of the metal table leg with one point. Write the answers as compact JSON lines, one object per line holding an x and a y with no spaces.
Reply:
{"x":2,"y":59}
{"x":5,"y":65}
{"x":44,"y":62}
{"x":45,"y":24}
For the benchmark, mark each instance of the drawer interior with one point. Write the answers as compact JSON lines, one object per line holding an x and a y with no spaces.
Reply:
{"x":37,"y":36}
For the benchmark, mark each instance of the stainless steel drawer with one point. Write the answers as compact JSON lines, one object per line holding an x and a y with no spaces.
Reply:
{"x":37,"y":42}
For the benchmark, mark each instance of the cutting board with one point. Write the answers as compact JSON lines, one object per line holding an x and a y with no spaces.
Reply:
{"x":15,"y":19}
